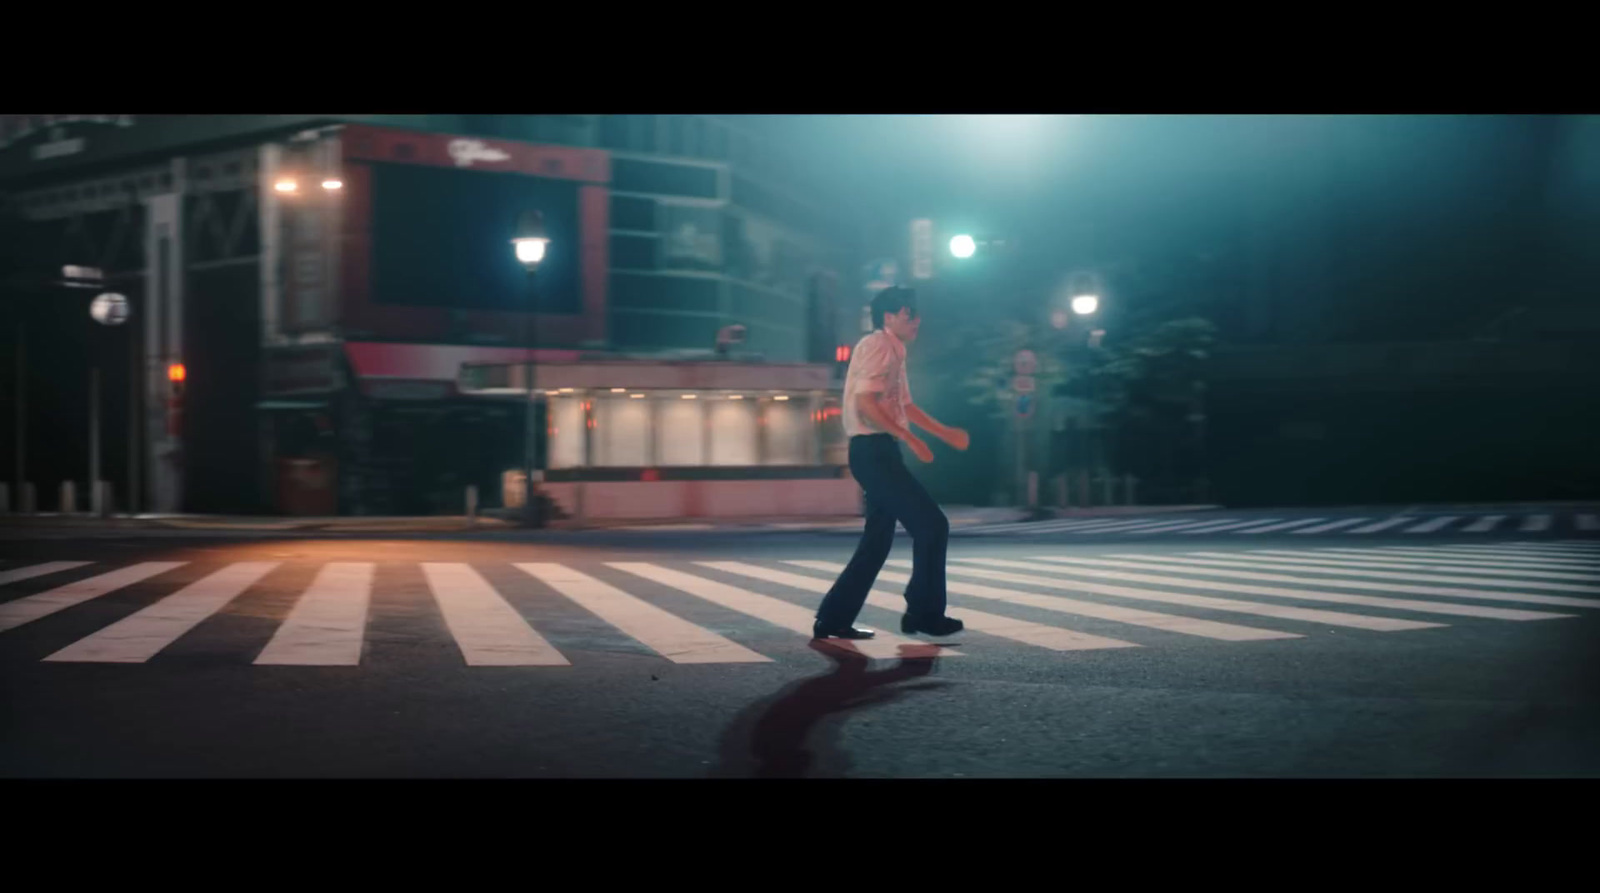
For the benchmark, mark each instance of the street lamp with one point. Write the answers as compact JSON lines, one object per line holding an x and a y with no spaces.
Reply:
{"x":531,"y":239}
{"x":107,"y":309}
{"x":530,"y":243}
{"x":963,"y":246}
{"x":1085,"y":305}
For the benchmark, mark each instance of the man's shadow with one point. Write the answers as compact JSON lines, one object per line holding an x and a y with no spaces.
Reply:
{"x":789,"y":734}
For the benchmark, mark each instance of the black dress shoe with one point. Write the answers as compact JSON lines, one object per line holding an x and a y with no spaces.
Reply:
{"x":933,"y":626}
{"x":843,"y":632}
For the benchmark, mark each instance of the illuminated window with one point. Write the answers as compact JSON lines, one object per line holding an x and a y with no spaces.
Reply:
{"x":682,"y":432}
{"x":734,"y":432}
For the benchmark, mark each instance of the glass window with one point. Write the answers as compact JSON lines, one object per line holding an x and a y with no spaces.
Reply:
{"x":634,"y":252}
{"x":566,"y":432}
{"x":789,"y":433}
{"x":733,"y":430}
{"x":632,"y":212}
{"x":663,"y":178}
{"x":459,"y":254}
{"x":682,"y":432}
{"x":622,"y":431}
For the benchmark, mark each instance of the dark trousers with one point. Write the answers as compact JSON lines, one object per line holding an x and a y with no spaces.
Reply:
{"x":892,"y":494}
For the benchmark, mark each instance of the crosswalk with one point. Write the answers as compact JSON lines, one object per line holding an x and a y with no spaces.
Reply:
{"x":1555,"y":523}
{"x":755,"y":612}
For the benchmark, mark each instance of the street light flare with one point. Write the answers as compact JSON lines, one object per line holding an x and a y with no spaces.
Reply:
{"x":963,"y":246}
{"x":1084,"y":305}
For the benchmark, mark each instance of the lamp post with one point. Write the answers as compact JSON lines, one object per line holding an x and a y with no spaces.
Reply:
{"x":530,"y":243}
{"x":108,"y":309}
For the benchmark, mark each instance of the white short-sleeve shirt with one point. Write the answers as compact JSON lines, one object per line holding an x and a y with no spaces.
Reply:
{"x":877,"y":366}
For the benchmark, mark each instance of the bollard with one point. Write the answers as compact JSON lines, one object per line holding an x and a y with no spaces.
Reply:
{"x":1084,"y":493}
{"x":1061,"y":490}
{"x":69,"y":497}
{"x":1033,"y":489}
{"x":101,"y":503}
{"x":1132,"y":493}
{"x":5,"y":499}
{"x":27,"y":498}
{"x":1107,"y":483}
{"x":472,"y":505}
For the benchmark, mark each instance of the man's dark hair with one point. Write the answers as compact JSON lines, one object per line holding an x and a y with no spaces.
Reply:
{"x":892,"y":300}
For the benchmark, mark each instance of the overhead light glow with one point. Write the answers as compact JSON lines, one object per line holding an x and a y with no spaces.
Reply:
{"x":286,"y":185}
{"x":1083,"y":305}
{"x":332,"y":183}
{"x":963,"y":246}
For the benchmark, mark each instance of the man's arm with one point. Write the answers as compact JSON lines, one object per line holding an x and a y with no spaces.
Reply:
{"x":955,"y":437}
{"x":868,"y":405}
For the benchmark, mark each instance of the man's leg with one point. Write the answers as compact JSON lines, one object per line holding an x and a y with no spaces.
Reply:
{"x":843,"y":602}
{"x":930,"y":536}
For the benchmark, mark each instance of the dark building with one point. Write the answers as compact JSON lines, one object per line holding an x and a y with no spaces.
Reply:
{"x":322,"y":280}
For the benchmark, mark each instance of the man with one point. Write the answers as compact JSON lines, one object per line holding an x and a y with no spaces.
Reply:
{"x":877,"y":411}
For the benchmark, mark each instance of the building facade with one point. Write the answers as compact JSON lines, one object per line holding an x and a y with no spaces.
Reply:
{"x":319,"y":282}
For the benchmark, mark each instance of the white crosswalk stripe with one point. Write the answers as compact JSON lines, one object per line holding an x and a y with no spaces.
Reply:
{"x":1193,"y":626}
{"x":1382,"y":525}
{"x":1052,"y":637}
{"x":1350,"y":568}
{"x":30,"y":608}
{"x":1427,"y":561}
{"x":137,"y":638}
{"x":1168,"y":527}
{"x":671,"y":636}
{"x":38,"y":570}
{"x":773,"y":610}
{"x":1524,"y":556}
{"x":1173,"y":564}
{"x":1331,"y":618}
{"x":1431,"y":526}
{"x":1214,"y":528}
{"x":327,"y":624}
{"x":1273,"y":528}
{"x":488,"y":630}
{"x":1333,"y":525}
{"x":1412,"y":524}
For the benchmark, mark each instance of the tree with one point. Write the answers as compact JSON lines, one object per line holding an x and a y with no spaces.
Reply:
{"x":1153,"y":398}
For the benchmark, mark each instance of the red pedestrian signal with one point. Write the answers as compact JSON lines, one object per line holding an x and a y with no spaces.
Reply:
{"x":842,"y":353}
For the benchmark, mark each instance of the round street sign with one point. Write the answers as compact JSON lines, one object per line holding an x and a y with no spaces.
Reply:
{"x":1025,"y":362}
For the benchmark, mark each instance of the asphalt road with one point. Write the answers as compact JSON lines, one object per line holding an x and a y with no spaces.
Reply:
{"x":622,"y":655}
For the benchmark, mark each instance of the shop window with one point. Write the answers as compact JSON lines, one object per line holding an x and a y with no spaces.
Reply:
{"x":734,"y":431}
{"x":790,"y":433}
{"x":567,"y":434}
{"x":682,"y":431}
{"x":622,"y":432}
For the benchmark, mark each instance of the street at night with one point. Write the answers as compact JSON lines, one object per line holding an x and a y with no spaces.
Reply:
{"x":660,"y":654}
{"x":799,"y":446}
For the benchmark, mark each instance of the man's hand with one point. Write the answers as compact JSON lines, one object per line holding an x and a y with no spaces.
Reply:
{"x":957,"y":438}
{"x":919,"y":449}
